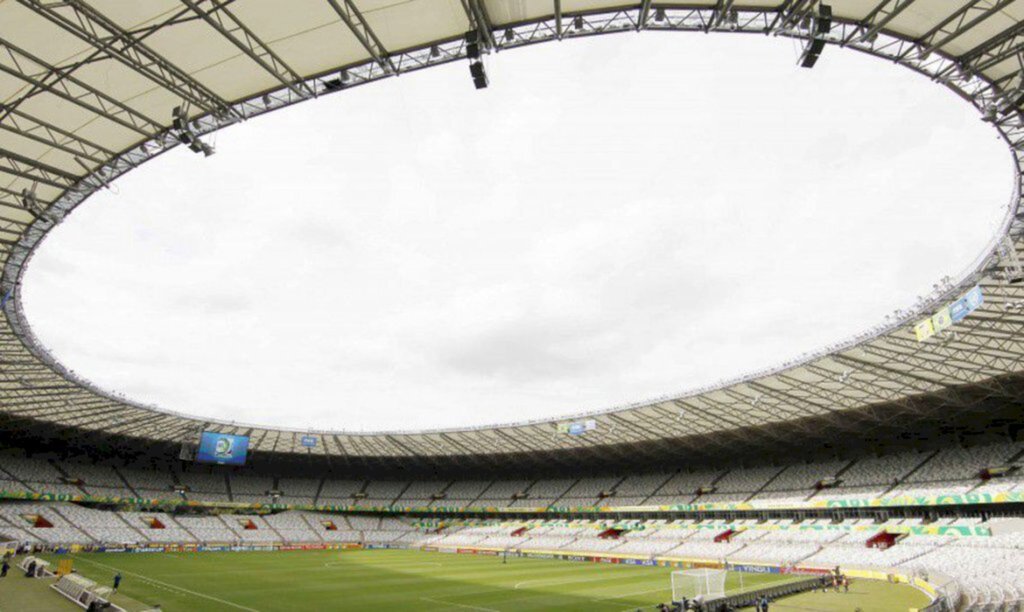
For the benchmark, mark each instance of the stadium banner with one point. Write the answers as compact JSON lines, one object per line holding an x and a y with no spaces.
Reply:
{"x":924,"y":329}
{"x":952,"y":499}
{"x":753,"y":568}
{"x":805,"y":570}
{"x":577,"y":428}
{"x":950,"y":314}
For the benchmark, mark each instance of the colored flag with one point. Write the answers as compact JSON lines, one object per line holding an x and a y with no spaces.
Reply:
{"x":942,"y":320}
{"x":924,"y":330}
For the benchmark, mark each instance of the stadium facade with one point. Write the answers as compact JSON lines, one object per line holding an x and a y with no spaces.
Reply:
{"x":91,"y":90}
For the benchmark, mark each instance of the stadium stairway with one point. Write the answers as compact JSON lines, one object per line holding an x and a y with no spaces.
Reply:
{"x":280,"y":538}
{"x":69,"y":478}
{"x":319,"y":489}
{"x":564,"y":493}
{"x":714,"y":483}
{"x":902,"y":479}
{"x":766,"y":483}
{"x":227,"y":525}
{"x":401,"y":493}
{"x":313,"y":525}
{"x":127,"y":484}
{"x":1011,"y":461}
{"x":13,"y":478}
{"x":654,"y":493}
{"x":480,"y":494}
{"x":177,"y":523}
{"x":141,"y":535}
{"x":57,"y":510}
{"x":842,"y":471}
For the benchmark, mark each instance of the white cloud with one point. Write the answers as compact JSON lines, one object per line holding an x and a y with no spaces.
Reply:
{"x":613,"y":220}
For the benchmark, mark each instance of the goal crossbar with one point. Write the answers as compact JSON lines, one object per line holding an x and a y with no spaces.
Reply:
{"x":701,"y":583}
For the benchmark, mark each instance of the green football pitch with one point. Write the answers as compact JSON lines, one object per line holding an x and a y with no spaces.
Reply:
{"x":396,"y":579}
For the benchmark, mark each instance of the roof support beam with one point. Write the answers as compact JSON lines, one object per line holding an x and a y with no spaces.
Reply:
{"x":59,"y":82}
{"x":558,"y":19}
{"x":19,"y":165}
{"x":959,"y":23}
{"x":231,"y":27}
{"x":29,"y":127}
{"x":641,"y":20}
{"x":106,"y":36}
{"x":918,"y":383}
{"x":789,"y":13}
{"x":478,"y":18}
{"x":995,"y":50}
{"x":722,"y":8}
{"x":878,"y":18}
{"x":353,"y":18}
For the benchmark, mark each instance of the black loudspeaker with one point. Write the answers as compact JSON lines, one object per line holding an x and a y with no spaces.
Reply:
{"x":476,"y":70}
{"x":811,"y":53}
{"x":824,"y":22}
{"x":473,"y":50}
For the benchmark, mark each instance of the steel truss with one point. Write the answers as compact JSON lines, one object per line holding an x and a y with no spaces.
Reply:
{"x":220,"y":18}
{"x":91,"y":26}
{"x":879,"y":366}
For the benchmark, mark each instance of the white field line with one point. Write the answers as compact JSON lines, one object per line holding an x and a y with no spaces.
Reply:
{"x":170,"y":587}
{"x":558,"y":581}
{"x":380,"y":567}
{"x":625,"y":595}
{"x":457,"y":605}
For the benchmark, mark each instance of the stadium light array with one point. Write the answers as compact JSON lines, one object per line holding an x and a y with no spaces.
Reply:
{"x":185,"y":135}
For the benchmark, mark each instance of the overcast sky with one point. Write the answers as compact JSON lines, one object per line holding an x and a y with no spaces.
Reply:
{"x":613,"y":220}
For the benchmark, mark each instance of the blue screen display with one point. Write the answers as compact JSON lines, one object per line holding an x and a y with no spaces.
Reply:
{"x":223,"y":449}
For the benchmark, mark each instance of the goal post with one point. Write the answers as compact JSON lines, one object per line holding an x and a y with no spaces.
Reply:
{"x":703,"y":583}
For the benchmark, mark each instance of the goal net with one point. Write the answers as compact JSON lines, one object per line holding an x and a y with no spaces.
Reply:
{"x":703,"y":583}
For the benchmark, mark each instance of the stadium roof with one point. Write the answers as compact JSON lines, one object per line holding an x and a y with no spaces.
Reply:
{"x":89,"y":91}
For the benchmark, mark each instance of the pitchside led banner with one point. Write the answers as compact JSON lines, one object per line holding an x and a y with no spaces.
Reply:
{"x":222,"y":449}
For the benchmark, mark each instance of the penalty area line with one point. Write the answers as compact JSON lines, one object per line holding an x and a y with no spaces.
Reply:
{"x":559,"y":581}
{"x":611,"y":598}
{"x":457,"y":605}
